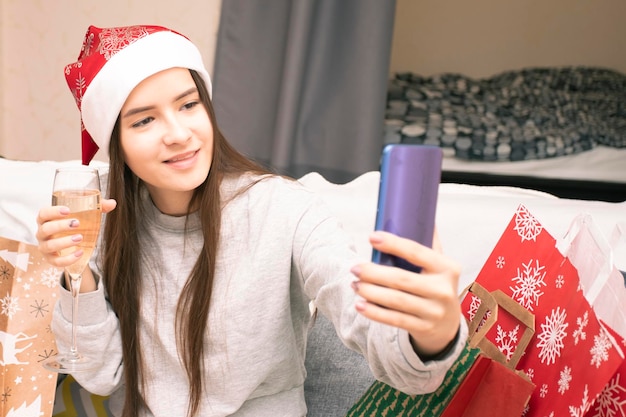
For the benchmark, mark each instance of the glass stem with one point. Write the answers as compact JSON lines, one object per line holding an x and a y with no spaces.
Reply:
{"x":75,"y":280}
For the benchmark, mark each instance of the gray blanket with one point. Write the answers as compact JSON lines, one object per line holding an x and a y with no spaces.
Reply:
{"x":532,"y":113}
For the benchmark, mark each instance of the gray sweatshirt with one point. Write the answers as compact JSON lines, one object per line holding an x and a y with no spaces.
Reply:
{"x":280,"y":249}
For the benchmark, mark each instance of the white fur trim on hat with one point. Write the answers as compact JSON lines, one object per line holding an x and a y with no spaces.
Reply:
{"x":108,"y":91}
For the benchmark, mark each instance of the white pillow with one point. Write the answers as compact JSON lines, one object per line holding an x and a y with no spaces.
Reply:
{"x":353,"y":203}
{"x":25,"y":187}
{"x":470,"y":219}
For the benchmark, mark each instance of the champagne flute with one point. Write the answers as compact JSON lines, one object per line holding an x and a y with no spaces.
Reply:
{"x":78,"y":188}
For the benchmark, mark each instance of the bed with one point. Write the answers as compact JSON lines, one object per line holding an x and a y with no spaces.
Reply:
{"x":557,"y":130}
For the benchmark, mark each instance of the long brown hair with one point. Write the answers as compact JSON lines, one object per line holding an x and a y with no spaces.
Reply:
{"x":122,"y":255}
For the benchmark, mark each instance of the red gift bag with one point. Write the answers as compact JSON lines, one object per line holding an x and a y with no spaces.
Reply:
{"x":490,"y":389}
{"x":481,"y":382}
{"x":493,"y":387}
{"x":569,"y":344}
{"x":612,"y":400}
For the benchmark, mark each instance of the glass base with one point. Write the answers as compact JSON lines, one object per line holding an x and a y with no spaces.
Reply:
{"x":70,"y":364}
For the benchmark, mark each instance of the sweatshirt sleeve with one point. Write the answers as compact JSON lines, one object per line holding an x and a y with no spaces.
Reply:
{"x":324,"y":255}
{"x":98,"y":337}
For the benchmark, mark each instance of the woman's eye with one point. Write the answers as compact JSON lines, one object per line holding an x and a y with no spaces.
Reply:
{"x":190,"y":105}
{"x":143,"y":122}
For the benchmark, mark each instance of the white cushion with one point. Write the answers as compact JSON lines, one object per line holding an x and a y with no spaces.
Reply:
{"x":25,"y":187}
{"x":470,"y":219}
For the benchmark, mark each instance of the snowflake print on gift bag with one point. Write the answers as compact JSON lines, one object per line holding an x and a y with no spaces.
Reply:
{"x":612,"y":399}
{"x":569,"y":343}
{"x":28,"y":292}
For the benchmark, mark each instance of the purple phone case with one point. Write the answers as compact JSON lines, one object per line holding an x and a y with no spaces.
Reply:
{"x":407,"y":201}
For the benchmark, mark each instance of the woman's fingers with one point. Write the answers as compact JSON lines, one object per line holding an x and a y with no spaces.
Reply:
{"x":420,"y":295}
{"x":437,"y":242}
{"x":56,"y":232}
{"x":402,"y":320}
{"x":430,"y":259}
{"x":425,"y":304}
{"x":108,"y":205}
{"x":54,"y":220}
{"x":51,"y":213}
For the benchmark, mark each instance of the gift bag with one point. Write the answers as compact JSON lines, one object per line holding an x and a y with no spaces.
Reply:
{"x":493,"y":387}
{"x":382,"y":400}
{"x":612,"y":400}
{"x":28,"y":293}
{"x":603,"y":284}
{"x":72,"y":400}
{"x":482,"y":382}
{"x":593,"y":256}
{"x":572,"y":356}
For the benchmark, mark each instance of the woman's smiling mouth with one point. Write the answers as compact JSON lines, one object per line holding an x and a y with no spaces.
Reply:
{"x":182,"y":157}
{"x":183,"y":160}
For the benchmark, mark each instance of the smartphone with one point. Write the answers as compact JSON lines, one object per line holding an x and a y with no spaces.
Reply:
{"x":407,"y":198}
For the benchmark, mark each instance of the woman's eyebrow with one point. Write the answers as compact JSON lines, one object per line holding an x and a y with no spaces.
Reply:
{"x":136,"y":110}
{"x":186,"y":93}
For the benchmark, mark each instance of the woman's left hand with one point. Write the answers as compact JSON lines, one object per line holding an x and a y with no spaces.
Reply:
{"x":426,"y":304}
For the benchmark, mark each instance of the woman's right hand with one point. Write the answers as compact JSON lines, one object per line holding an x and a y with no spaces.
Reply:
{"x":57,"y":221}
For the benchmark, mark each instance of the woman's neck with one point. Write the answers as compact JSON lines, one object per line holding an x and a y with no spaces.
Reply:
{"x":172,"y":203}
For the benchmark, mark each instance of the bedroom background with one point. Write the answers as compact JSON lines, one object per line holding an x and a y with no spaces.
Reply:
{"x":39,"y":120}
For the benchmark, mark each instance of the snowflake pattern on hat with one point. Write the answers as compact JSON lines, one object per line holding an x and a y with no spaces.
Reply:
{"x":98,"y":48}
{"x":115,"y":39}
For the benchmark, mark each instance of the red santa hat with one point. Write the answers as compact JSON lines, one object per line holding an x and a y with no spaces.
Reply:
{"x":111,"y":63}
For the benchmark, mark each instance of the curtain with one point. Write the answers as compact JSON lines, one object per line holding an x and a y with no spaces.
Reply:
{"x":300,"y":85}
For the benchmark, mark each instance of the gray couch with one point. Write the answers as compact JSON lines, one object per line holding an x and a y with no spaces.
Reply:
{"x":336,"y":375}
{"x":470,"y":219}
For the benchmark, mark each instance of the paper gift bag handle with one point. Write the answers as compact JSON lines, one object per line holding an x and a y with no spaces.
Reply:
{"x":480,"y":325}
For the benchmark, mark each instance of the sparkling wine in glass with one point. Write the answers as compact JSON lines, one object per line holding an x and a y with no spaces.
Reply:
{"x":79,"y":189}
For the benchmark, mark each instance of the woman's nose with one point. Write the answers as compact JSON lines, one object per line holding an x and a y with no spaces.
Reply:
{"x":176,"y":131}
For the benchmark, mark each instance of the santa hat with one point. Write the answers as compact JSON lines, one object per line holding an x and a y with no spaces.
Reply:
{"x":111,"y":63}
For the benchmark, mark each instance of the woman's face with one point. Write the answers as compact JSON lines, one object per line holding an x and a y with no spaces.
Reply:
{"x":167,"y":138}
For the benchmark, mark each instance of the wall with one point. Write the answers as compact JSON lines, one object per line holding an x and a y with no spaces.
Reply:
{"x":39,"y":119}
{"x":38,"y":116}
{"x":483,"y":37}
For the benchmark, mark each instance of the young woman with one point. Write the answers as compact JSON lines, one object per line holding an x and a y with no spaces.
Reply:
{"x":199,"y":303}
